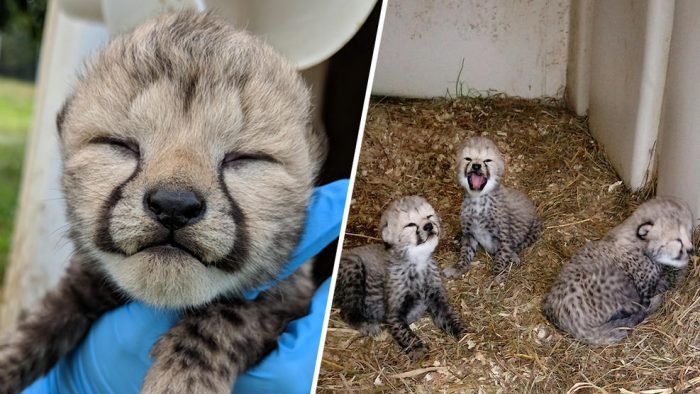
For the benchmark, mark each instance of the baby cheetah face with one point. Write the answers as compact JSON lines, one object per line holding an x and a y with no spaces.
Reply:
{"x":667,"y":231}
{"x":479,"y":166}
{"x":669,"y":242}
{"x":188,"y":160}
{"x":410,"y":223}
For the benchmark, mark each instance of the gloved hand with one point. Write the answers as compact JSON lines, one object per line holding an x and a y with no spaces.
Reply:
{"x":113,"y":358}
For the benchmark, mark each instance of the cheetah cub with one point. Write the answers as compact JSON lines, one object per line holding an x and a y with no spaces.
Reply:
{"x":613,"y":284}
{"x":188,"y":163}
{"x":396,"y":283}
{"x":502,"y":220}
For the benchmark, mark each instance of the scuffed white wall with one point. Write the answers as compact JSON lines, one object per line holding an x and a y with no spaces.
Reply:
{"x":679,"y":142}
{"x":619,"y":53}
{"x":515,"y":47}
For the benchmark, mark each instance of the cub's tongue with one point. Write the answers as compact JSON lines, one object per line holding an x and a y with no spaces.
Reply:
{"x":477,"y":181}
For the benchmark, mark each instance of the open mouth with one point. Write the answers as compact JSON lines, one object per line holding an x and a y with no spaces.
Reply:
{"x":477,"y":180}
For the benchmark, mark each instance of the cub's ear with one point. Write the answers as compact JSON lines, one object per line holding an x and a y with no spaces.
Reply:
{"x":385,"y":236}
{"x":644,"y":229}
{"x":61,"y":116}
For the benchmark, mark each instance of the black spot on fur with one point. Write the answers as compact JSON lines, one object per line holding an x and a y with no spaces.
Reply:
{"x":406,"y":305}
{"x":189,"y":91}
{"x":232,"y":316}
{"x":196,"y":332}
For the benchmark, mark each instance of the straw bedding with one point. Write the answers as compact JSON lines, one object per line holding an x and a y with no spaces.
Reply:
{"x":409,"y":148}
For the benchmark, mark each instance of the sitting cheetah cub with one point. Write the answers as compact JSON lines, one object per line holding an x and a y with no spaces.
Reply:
{"x":502,"y":220}
{"x":189,"y":159}
{"x":613,"y":284}
{"x":398,"y":282}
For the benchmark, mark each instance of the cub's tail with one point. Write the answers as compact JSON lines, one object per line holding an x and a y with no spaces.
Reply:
{"x":616,"y":329}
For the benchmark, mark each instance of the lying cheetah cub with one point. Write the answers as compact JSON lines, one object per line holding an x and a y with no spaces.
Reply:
{"x":613,"y":284}
{"x":398,"y":282}
{"x":502,"y":220}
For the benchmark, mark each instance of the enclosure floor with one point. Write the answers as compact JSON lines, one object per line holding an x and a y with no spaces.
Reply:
{"x":409,"y":148}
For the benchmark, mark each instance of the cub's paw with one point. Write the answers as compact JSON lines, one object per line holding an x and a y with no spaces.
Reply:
{"x":452,"y":272}
{"x":456,"y":330}
{"x":499,"y":278}
{"x":370,"y":329}
{"x":179,"y":378}
{"x":181,"y":366}
{"x":417,"y":352}
{"x":503,"y":263}
{"x":655,"y":303}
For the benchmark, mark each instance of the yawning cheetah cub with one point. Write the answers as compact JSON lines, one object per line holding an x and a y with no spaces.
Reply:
{"x":502,"y":220}
{"x":397,"y":282}
{"x":613,"y":284}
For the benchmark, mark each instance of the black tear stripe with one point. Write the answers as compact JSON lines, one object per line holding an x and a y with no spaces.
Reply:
{"x":233,"y":261}
{"x":103,"y":238}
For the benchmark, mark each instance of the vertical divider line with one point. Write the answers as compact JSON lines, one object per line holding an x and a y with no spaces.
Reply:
{"x":348,"y":200}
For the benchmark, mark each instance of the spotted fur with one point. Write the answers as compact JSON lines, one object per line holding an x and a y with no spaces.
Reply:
{"x":398,"y":282}
{"x":613,"y":284}
{"x":191,"y":106}
{"x":501,"y":220}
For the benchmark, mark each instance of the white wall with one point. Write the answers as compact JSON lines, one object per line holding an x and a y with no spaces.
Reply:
{"x":629,"y":55}
{"x":679,"y":143}
{"x":516,"y":47}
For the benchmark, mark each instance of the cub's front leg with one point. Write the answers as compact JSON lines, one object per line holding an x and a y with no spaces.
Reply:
{"x":504,"y":258}
{"x":439,"y":308}
{"x":211,"y":346}
{"x":646,"y":280}
{"x":399,"y":305}
{"x":56,"y":326}
{"x":466,"y":254}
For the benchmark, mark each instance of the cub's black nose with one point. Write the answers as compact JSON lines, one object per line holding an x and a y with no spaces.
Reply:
{"x":428,"y":227}
{"x":476,"y":166}
{"x":174,"y":208}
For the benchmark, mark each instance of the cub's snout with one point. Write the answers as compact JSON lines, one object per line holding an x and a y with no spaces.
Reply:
{"x":174,"y":209}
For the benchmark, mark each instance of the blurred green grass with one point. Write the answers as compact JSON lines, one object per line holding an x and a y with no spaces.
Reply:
{"x":16,"y":103}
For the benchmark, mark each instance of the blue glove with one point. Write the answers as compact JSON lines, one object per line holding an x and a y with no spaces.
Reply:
{"x":113,"y":358}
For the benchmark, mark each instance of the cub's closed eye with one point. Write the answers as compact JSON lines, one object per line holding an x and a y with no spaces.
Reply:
{"x":410,"y":225}
{"x":468,"y":158}
{"x":644,"y":229}
{"x":242,"y":158}
{"x":123,"y":144}
{"x":488,"y":161}
{"x":429,"y":216}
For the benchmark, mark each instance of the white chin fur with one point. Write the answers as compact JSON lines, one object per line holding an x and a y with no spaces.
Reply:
{"x":175,"y":281}
{"x":423,"y":251}
{"x":671,"y":262}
